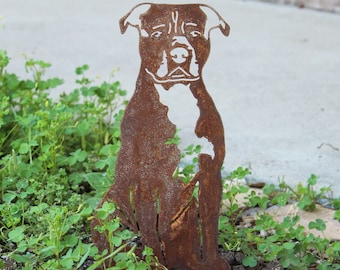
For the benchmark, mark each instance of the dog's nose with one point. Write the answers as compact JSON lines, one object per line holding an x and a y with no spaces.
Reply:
{"x":179,"y":55}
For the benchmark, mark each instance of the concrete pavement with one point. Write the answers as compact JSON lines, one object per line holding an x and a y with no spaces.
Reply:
{"x":275,"y":80}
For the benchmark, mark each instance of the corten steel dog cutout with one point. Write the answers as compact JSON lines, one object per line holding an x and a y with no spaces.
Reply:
{"x":181,"y":229}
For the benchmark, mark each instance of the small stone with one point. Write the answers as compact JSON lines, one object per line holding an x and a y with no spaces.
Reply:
{"x":239,"y":257}
{"x":239,"y":267}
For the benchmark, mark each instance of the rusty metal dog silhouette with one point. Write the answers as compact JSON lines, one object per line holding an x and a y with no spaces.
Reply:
{"x":181,"y":228}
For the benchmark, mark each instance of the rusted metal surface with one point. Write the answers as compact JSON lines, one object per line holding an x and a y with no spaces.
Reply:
{"x":181,"y":229}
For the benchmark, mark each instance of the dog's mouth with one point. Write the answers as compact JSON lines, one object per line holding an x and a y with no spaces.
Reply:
{"x":177,"y":75}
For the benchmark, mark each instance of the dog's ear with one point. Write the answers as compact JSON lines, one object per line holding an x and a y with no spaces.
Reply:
{"x":214,"y":20}
{"x":133,"y":17}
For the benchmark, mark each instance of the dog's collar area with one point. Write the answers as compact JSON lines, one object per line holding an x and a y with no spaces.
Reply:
{"x":176,"y":76}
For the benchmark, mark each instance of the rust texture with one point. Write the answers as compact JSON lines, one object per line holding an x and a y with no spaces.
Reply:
{"x":181,"y":229}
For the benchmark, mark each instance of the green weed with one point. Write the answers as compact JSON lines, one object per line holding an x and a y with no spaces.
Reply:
{"x":122,"y":245}
{"x":268,"y":240}
{"x":307,"y":196}
{"x":56,"y":160}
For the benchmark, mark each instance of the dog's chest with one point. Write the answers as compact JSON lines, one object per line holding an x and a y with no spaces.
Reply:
{"x":184,"y":113}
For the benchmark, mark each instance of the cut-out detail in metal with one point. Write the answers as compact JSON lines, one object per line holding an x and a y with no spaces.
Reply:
{"x":181,"y":228}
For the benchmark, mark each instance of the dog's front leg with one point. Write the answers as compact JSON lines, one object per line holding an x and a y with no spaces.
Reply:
{"x":210,"y":192}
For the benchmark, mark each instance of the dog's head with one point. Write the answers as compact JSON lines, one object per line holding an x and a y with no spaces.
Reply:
{"x":174,"y":39}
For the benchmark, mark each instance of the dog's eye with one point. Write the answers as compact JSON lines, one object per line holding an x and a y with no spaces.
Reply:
{"x":156,"y":34}
{"x":195,"y":33}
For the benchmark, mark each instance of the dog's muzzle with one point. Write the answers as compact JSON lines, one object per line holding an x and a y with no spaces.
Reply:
{"x":179,"y":64}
